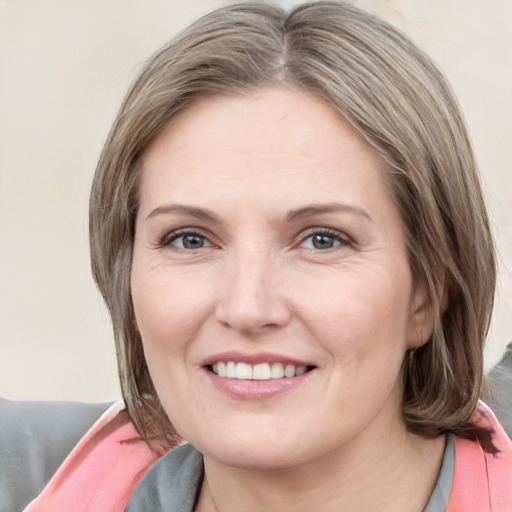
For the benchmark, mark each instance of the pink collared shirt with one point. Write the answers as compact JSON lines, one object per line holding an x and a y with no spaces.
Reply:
{"x":482,"y":482}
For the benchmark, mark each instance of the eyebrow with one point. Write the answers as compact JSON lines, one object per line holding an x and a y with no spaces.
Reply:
{"x":318,"y":209}
{"x":182,"y":209}
{"x":291,"y":216}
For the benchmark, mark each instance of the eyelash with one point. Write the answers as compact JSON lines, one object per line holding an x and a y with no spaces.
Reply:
{"x":169,"y":238}
{"x":338,"y":237}
{"x":342,"y":239}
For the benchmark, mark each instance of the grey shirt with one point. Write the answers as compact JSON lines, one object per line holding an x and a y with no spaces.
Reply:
{"x":35,"y":438}
{"x":498,"y":395}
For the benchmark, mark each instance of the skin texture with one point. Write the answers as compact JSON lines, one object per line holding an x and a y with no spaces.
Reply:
{"x":259,"y":171}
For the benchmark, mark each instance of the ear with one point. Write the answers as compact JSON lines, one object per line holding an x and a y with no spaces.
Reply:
{"x":423,"y":315}
{"x":421,"y":320}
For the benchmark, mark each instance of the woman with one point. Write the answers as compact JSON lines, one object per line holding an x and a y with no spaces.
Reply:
{"x":288,"y":229}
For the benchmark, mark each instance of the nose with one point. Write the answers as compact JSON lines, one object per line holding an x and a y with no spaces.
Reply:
{"x":252,"y":297}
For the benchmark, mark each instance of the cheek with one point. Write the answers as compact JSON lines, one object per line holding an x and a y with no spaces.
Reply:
{"x":362,"y":321}
{"x":169,"y":313}
{"x":373,"y":304}
{"x":168,"y":310}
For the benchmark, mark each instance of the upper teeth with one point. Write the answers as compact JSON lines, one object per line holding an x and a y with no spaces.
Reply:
{"x":262,"y":371}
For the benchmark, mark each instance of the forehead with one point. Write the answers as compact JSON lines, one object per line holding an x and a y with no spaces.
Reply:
{"x":255,"y":113}
{"x":269,"y":134}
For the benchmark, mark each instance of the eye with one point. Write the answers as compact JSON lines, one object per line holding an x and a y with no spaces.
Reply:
{"x":187,"y":241}
{"x":324,"y":240}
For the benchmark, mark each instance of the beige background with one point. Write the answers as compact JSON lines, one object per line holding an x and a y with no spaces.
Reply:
{"x":64,"y":67}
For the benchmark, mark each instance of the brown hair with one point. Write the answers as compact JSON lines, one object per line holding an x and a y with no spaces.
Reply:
{"x":398,"y":100}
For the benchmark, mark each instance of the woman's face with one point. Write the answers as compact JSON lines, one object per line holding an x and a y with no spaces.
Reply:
{"x":267,"y":243}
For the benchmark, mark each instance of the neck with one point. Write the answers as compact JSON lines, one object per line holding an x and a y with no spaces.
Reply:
{"x":396,"y":473}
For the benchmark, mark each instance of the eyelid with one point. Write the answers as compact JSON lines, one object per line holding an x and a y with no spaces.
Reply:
{"x":171,"y":236}
{"x":343,"y":238}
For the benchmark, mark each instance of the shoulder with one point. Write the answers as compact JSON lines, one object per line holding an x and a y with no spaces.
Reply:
{"x":35,"y":437}
{"x":171,"y":484}
{"x":483,"y":481}
{"x":499,"y":390}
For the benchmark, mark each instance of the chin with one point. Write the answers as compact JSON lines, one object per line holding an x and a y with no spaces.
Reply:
{"x":256,"y":451}
{"x":256,"y":458}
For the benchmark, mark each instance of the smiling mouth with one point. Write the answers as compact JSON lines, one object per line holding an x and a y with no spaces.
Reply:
{"x":261,"y":371}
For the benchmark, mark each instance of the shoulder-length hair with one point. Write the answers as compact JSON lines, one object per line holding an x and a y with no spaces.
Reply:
{"x":393,"y":96}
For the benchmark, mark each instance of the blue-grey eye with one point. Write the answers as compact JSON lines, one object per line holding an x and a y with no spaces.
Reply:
{"x":190,"y":241}
{"x":320,"y":241}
